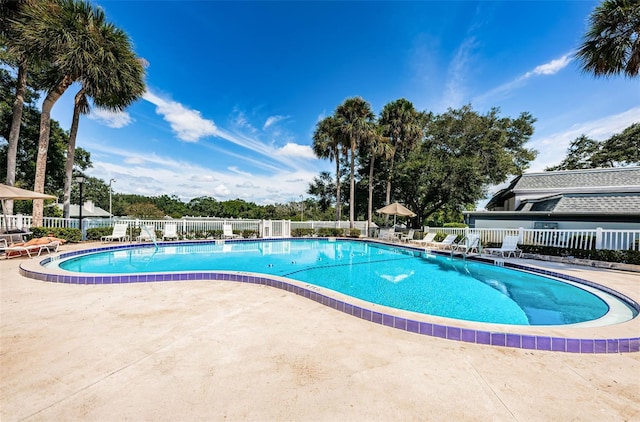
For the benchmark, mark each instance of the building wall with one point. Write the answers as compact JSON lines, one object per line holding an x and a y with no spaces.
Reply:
{"x":481,"y":223}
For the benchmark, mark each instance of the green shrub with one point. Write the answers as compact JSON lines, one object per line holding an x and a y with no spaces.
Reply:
{"x":69,"y":234}
{"x":330,"y":232}
{"x":606,"y":255}
{"x":97,"y":232}
{"x":216,"y":234}
{"x":353,"y":232}
{"x":249,"y":234}
{"x":303,"y":232}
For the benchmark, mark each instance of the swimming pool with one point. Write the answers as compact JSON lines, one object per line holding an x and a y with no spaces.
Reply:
{"x":383,"y":274}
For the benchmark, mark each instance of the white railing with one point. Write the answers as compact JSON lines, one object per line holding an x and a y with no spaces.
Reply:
{"x":194,"y":227}
{"x":560,"y":238}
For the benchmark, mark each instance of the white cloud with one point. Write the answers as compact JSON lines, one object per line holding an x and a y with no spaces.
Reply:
{"x":296,"y":150}
{"x":133,"y":160}
{"x":458,"y":68}
{"x":152,"y":175}
{"x":551,"y":68}
{"x":188,"y":125}
{"x":272,"y":120}
{"x":110,"y":118}
{"x":553,"y":148}
{"x":202,"y":178}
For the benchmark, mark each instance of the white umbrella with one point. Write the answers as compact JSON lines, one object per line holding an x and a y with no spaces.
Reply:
{"x":12,"y":192}
{"x":396,"y":209}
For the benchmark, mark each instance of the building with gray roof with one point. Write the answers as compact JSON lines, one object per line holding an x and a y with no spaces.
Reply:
{"x":589,"y":198}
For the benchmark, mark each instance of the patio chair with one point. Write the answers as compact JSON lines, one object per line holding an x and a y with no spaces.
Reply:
{"x":427,"y":240}
{"x":119,"y":233}
{"x":408,"y":237}
{"x":227,"y":232}
{"x":447,"y":243}
{"x":170,"y":231}
{"x":387,"y":234}
{"x":509,"y":246}
{"x":147,"y":233}
{"x":468,"y":244}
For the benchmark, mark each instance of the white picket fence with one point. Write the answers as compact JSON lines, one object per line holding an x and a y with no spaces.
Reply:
{"x":192,"y":227}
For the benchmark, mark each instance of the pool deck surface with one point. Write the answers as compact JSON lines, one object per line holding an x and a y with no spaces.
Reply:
{"x":220,"y":350}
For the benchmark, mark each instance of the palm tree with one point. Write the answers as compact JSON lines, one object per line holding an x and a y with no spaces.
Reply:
{"x":327,"y":144}
{"x":379,"y":146}
{"x":612,"y":43}
{"x":400,"y":122}
{"x":10,"y":11}
{"x":83,"y":47}
{"x":115,"y":94}
{"x":356,"y":123}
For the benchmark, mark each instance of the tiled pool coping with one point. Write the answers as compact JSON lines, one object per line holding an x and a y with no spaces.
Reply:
{"x":485,"y":337}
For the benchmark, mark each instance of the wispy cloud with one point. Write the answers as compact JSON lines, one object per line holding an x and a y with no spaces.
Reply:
{"x":546,"y":69}
{"x":454,"y":95}
{"x":188,"y":125}
{"x":272,"y":120}
{"x":551,"y":68}
{"x":553,"y":148}
{"x":110,"y":118}
{"x":152,"y":175}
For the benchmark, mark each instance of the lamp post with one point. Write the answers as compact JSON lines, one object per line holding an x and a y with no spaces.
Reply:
{"x":302,"y":208}
{"x":80,"y":180}
{"x":110,"y":190}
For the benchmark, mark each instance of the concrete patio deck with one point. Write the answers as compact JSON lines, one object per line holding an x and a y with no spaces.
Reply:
{"x":215,"y":350}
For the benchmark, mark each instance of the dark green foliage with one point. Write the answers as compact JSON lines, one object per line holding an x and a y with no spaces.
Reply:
{"x":248,"y":234}
{"x":302,"y":232}
{"x":624,"y":257}
{"x":455,"y":225}
{"x":352,"y":232}
{"x":97,"y":232}
{"x":69,"y":234}
{"x":330,"y":232}
{"x":622,"y":149}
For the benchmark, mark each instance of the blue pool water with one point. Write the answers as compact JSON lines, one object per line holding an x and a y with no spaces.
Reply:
{"x":376,"y":273}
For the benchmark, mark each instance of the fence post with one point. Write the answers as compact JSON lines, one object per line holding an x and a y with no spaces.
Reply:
{"x":599,"y":238}
{"x":19,"y":221}
{"x":520,"y":235}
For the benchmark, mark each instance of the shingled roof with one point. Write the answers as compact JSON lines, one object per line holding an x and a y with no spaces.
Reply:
{"x":622,"y":204}
{"x":566,"y":181}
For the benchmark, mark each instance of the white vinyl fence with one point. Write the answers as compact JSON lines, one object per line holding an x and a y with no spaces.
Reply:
{"x":194,"y":227}
{"x":572,"y":239}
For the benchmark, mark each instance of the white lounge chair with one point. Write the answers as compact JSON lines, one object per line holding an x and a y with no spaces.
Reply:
{"x":408,"y":237}
{"x":227,"y":232}
{"x":30,"y":250}
{"x":147,"y":233}
{"x":387,"y":234}
{"x":170,"y":231}
{"x":509,"y":246}
{"x":470,"y":243}
{"x":428,"y":239}
{"x":119,"y":233}
{"x":447,"y":243}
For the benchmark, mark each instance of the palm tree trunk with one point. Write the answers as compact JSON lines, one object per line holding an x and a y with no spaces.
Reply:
{"x":71,"y":152}
{"x":338,"y":199}
{"x":389,"y":177}
{"x":43,"y":147}
{"x":352,"y":188}
{"x":370,"y":206}
{"x":14,"y":133}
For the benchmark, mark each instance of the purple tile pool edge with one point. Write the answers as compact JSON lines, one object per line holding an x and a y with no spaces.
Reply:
{"x":512,"y":340}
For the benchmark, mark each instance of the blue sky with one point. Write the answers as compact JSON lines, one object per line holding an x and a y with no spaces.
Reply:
{"x":235,"y":89}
